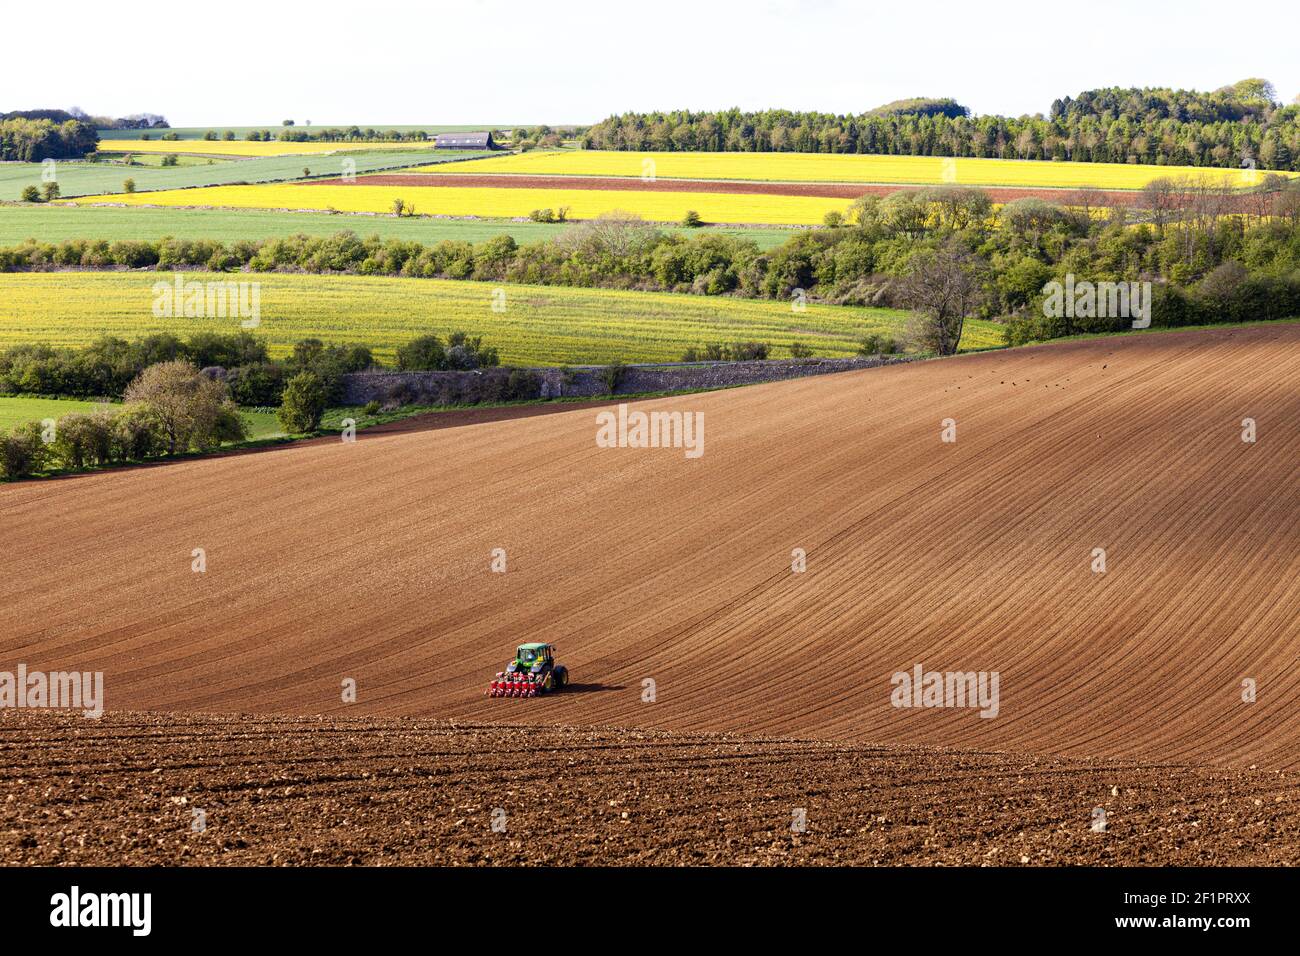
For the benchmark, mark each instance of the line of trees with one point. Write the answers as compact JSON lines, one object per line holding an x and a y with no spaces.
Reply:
{"x":239,"y":360}
{"x":1189,"y":227}
{"x":134,"y":121}
{"x":1191,"y":230}
{"x":25,"y":140}
{"x":1238,"y":125}
{"x":171,"y":406}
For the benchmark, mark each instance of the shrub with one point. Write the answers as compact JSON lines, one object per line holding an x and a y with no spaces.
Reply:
{"x":371,"y":407}
{"x":31,"y":194}
{"x":192,"y":410}
{"x":424,"y":353}
{"x":128,"y":185}
{"x":136,"y":434}
{"x":522,"y":385}
{"x":612,"y":376}
{"x":799,"y":350}
{"x":712,"y":352}
{"x":749,"y":351}
{"x":82,"y":439}
{"x":170,"y":159}
{"x":303,"y":403}
{"x":692,"y":219}
{"x":876,"y":344}
{"x":23,"y":451}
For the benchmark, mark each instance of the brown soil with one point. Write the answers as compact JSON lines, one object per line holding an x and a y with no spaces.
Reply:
{"x":372,"y":561}
{"x":292,"y":791}
{"x":825,"y":190}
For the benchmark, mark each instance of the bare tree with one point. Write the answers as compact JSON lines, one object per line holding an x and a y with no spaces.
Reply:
{"x":192,"y":410}
{"x":943,"y":288}
{"x":1085,"y":199}
{"x":1159,"y":196}
{"x":615,"y":233}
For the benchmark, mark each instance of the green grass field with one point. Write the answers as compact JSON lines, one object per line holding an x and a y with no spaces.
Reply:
{"x":536,"y":326}
{"x":90,"y":179}
{"x":156,"y":160}
{"x":18,"y":410}
{"x":261,"y":425}
{"x":52,"y":223}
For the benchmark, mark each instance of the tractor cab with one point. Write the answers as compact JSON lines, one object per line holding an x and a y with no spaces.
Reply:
{"x":532,"y":659}
{"x":532,"y":672}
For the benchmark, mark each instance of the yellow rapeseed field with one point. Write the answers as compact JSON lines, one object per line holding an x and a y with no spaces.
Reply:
{"x":496,"y":203}
{"x":240,"y":147}
{"x":830,"y":168}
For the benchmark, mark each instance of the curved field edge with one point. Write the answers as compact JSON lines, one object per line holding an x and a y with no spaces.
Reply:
{"x":370,"y":561}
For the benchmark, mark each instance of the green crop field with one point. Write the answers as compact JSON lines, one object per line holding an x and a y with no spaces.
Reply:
{"x":536,"y":325}
{"x":52,"y":223}
{"x":90,"y":179}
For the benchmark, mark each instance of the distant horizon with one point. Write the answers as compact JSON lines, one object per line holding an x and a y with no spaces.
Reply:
{"x":314,"y":124}
{"x":579,"y":62}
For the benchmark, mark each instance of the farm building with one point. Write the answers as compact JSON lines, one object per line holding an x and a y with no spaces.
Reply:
{"x":465,"y":141}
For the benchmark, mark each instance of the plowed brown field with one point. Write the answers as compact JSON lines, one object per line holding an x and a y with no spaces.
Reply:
{"x":371,"y":561}
{"x":999,"y":194}
{"x":292,"y":791}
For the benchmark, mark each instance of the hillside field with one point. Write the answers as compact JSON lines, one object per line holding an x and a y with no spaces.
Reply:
{"x":81,"y":179}
{"x":849,"y":168}
{"x":370,"y":560}
{"x":718,"y":207}
{"x":198,"y":132}
{"x":541,"y":325}
{"x":243,"y":147}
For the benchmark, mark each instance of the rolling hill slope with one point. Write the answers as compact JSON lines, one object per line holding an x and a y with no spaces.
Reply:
{"x":371,"y":561}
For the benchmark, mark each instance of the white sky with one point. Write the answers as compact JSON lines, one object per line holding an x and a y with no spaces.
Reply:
{"x":502,"y":62}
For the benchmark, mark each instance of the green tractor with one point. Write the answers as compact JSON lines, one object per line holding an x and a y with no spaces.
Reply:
{"x":531,"y":673}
